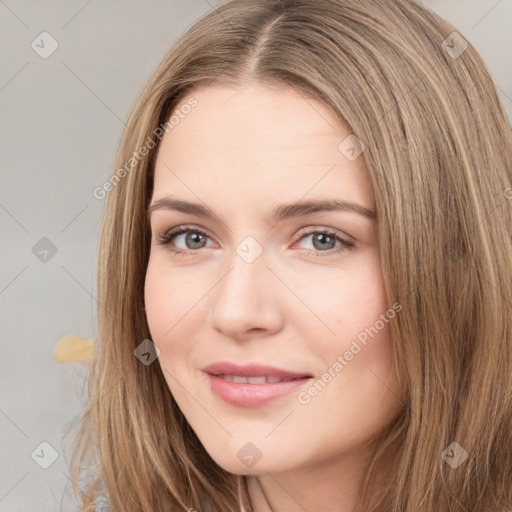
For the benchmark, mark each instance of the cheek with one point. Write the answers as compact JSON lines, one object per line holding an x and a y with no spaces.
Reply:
{"x":169,"y":300}
{"x":356,"y":309}
{"x":365,"y":326}
{"x":157,"y":299}
{"x":351,"y":300}
{"x":170,"y":317}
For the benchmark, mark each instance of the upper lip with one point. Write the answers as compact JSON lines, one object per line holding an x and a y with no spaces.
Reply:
{"x":251,"y":370}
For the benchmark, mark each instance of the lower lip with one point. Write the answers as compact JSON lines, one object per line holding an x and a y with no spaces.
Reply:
{"x":253,"y":395}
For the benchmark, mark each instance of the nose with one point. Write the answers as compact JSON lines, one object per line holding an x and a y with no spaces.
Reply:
{"x":244,"y":302}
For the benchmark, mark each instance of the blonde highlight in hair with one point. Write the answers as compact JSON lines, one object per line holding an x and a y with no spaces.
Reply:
{"x":439,"y":159}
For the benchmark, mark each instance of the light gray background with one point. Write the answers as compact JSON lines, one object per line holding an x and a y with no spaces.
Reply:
{"x":62,"y":119}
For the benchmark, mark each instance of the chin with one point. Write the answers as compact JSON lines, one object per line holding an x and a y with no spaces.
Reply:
{"x":246,"y":460}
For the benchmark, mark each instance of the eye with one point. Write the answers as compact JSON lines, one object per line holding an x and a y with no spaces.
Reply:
{"x":194,"y":239}
{"x":324,"y":241}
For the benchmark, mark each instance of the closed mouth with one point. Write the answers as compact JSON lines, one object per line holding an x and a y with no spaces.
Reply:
{"x":264,"y":379}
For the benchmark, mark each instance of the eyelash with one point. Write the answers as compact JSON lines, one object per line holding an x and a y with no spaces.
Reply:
{"x":168,"y":237}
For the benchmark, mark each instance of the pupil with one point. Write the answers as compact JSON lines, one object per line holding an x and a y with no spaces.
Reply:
{"x":195,"y":237}
{"x":321,"y":238}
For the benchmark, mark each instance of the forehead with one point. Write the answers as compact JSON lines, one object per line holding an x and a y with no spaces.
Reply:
{"x":261,"y":140}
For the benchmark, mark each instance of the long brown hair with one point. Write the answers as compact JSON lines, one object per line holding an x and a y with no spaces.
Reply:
{"x":438,"y":150}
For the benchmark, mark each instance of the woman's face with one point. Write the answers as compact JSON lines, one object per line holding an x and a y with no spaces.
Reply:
{"x":260,"y":287}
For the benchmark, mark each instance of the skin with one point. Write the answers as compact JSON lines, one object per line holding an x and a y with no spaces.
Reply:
{"x":298,"y":306}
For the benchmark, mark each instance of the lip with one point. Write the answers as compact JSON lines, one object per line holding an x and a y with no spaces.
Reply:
{"x":252,"y":395}
{"x":251,"y":370}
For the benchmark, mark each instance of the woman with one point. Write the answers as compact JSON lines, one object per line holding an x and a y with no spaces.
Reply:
{"x":236,"y":370}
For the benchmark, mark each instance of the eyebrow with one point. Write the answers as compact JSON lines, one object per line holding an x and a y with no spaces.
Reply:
{"x":280,"y":212}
